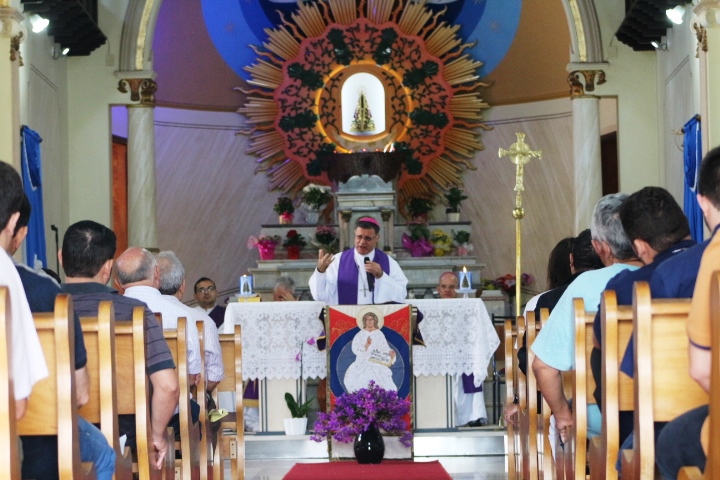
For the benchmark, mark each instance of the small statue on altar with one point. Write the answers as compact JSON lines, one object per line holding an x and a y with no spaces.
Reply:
{"x":362,"y":121}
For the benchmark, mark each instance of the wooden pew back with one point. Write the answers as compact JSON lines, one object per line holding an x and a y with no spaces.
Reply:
{"x":510,"y":392}
{"x":101,"y":408}
{"x":663,"y":388}
{"x":9,"y":455}
{"x":52,"y":407}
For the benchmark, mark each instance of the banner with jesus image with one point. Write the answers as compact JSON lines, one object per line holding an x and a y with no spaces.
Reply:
{"x":370,"y":343}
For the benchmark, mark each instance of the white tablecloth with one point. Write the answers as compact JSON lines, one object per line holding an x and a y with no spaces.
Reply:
{"x":458,"y":334}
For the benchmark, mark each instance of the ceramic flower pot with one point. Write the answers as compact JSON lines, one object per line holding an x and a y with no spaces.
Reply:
{"x":293,"y":252}
{"x":369,"y":446}
{"x":453,"y":217}
{"x":266,"y":253}
{"x":295,"y":426}
{"x":285,"y":219}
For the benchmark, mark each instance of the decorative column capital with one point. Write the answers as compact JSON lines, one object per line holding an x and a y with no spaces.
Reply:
{"x":346,"y":215}
{"x":591,"y":77}
{"x":11,"y":27}
{"x":386,"y":215}
{"x":141,"y":89}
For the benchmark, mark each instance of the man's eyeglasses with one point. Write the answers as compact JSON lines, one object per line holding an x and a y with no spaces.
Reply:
{"x":206,"y":289}
{"x":364,"y":237}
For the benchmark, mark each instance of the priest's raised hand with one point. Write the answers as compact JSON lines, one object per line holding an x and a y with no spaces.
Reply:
{"x":324,"y":260}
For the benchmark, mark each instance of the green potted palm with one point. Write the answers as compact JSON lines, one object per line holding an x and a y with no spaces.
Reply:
{"x":297,"y":423}
{"x":453,"y":198}
{"x":419,"y":208}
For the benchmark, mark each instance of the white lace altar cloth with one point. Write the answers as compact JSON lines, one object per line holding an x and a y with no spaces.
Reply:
{"x":274,"y":334}
{"x":458,"y":334}
{"x":459,"y":338}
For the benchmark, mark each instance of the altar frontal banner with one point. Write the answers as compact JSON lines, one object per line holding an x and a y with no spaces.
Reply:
{"x":370,"y":343}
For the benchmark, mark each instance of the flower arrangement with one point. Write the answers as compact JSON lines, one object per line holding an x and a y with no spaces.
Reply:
{"x":325,"y":238}
{"x":461,"y":237}
{"x":488,"y":284}
{"x":316,"y":195}
{"x":265,"y":244}
{"x":442,"y":242}
{"x":453,"y":198}
{"x":507,"y":282}
{"x":284,"y":208}
{"x":357,"y":411}
{"x":420,"y":206}
{"x":417,"y":242}
{"x":294,"y":239}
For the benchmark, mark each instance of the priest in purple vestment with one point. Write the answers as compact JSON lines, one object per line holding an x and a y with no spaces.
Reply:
{"x":469,"y":399}
{"x":360,"y":276}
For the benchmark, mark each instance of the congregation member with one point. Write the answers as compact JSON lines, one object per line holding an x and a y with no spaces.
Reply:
{"x":86,"y":257}
{"x":558,"y":271}
{"x":206,"y":296}
{"x":359,"y":276}
{"x":172,"y":287}
{"x":284,"y":290}
{"x":40,"y":459}
{"x":137,"y":273}
{"x":469,"y":399}
{"x":658,"y":230}
{"x":684,"y":441}
{"x":554,"y":347}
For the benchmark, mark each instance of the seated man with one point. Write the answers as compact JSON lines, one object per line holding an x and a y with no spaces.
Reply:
{"x":469,"y":400}
{"x":40,"y":458}
{"x":86,"y":256}
{"x":554,"y":346}
{"x":359,"y":276}
{"x":206,"y":295}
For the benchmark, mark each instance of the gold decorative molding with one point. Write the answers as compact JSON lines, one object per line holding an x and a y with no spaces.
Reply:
{"x":15,"y":48}
{"x":577,"y":89}
{"x":701,"y":34}
{"x":346,"y":215}
{"x":141,"y":89}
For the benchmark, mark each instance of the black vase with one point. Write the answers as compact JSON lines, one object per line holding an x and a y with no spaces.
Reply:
{"x":369,"y":446}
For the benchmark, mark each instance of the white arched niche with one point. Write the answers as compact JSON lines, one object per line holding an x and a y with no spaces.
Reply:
{"x":374,"y":92}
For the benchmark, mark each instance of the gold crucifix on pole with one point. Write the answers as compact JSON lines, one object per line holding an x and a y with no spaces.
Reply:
{"x":520,"y":154}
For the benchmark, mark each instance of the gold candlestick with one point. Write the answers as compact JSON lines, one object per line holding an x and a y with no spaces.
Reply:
{"x":520,"y":154}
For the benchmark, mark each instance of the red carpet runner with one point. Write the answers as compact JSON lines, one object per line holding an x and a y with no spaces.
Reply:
{"x":351,"y":470}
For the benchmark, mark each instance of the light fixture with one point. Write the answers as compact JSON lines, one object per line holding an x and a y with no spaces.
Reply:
{"x":676,"y":14}
{"x":57,"y":51}
{"x":659,"y":46}
{"x":38,"y":23}
{"x":65,"y":51}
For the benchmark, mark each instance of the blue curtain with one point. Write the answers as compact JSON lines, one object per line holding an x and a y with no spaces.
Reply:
{"x":692,"y":154}
{"x":35,"y":255}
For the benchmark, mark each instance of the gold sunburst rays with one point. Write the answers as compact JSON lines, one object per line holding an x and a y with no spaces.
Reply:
{"x":310,"y":22}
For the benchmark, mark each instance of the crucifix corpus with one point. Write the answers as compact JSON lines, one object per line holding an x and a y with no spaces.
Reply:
{"x":520,"y":154}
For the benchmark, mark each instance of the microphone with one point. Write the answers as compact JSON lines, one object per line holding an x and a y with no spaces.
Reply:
{"x":370,"y":277}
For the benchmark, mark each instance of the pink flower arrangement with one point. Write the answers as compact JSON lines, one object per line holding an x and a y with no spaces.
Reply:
{"x":507,"y":282}
{"x":355,"y":412}
{"x":263,"y":241}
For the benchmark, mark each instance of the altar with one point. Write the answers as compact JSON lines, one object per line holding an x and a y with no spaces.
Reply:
{"x":280,"y":349}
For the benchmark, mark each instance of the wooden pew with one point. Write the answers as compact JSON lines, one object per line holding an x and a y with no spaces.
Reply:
{"x":617,"y":388}
{"x":231,"y":439}
{"x":510,"y":393}
{"x":9,"y":454}
{"x":529,"y":414}
{"x":663,"y":388}
{"x":102,"y":406}
{"x":52,"y":407}
{"x":712,"y":465}
{"x":199,"y":391}
{"x":548,"y":470}
{"x":189,"y":466}
{"x":133,"y":395}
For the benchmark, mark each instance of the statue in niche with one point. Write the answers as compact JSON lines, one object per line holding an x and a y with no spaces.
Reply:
{"x":362,"y":121}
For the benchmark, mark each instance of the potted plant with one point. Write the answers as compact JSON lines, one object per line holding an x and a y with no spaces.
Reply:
{"x":453,"y":198}
{"x":462,"y":242}
{"x":419,"y":208}
{"x":297,"y":423}
{"x":360,"y":416}
{"x":265,"y":244}
{"x":441,"y":242}
{"x":325,"y":238}
{"x":417,"y":242}
{"x":315,"y":199}
{"x":294,"y":242}
{"x":285,"y":209}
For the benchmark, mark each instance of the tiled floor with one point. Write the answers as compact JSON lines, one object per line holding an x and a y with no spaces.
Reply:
{"x":460,"y":468}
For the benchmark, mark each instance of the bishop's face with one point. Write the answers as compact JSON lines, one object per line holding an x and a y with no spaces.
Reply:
{"x":365,"y":240}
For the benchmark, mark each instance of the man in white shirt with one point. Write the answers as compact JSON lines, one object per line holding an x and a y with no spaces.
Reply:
{"x":28,"y":361}
{"x":172,"y":287}
{"x":363,"y":275}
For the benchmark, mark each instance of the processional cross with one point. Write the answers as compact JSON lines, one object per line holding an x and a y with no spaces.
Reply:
{"x":520,"y":154}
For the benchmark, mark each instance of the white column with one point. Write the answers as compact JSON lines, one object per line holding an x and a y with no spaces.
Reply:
{"x":11,"y":34}
{"x":142,"y":216}
{"x":587,"y":161}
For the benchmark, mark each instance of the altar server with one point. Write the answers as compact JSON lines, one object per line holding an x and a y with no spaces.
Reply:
{"x":363,"y":275}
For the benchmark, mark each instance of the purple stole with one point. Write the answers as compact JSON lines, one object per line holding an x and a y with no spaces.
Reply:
{"x":218,"y":315}
{"x":468,"y":382}
{"x":251,"y":394}
{"x":348,"y":275}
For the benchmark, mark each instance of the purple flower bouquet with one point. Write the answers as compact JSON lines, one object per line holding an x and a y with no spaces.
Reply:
{"x":355,"y":412}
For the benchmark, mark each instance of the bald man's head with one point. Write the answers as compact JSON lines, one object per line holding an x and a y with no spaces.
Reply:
{"x":136,"y":266}
{"x":447,"y":285}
